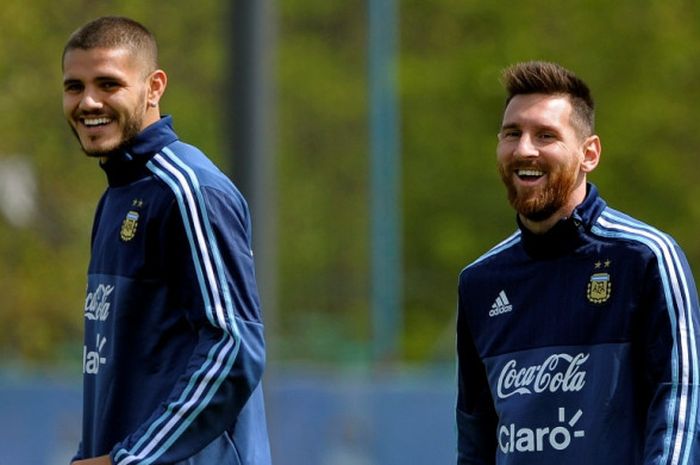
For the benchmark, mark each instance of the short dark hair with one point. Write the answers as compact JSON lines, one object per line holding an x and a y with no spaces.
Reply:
{"x":116,"y":32}
{"x":541,"y":77}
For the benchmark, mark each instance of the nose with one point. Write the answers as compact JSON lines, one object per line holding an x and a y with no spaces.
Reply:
{"x":525,"y":148}
{"x":90,"y":101}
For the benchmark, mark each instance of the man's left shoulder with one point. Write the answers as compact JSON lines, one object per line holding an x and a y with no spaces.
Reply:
{"x":198,"y":166}
{"x":628,"y":231}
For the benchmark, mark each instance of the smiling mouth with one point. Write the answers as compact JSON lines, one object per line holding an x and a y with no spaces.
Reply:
{"x":95,"y":122}
{"x":529,"y":174}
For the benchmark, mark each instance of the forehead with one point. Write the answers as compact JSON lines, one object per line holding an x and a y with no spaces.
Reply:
{"x":86,"y":64}
{"x":538,"y":109}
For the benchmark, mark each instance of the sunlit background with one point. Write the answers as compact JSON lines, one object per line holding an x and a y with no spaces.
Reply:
{"x":363,"y":134}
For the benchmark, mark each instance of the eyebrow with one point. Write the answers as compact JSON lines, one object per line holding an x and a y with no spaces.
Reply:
{"x":540,"y":127}
{"x":97,"y":79}
{"x":71,"y":81}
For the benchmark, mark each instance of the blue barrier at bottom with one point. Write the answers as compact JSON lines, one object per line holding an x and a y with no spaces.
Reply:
{"x":313,"y":419}
{"x":39,"y":421}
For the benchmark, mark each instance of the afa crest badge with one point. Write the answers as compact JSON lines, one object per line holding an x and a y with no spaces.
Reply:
{"x":129,"y":226}
{"x":599,"y":288}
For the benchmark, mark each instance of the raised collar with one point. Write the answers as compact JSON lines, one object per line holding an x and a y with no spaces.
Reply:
{"x":569,"y":233}
{"x":128,"y":164}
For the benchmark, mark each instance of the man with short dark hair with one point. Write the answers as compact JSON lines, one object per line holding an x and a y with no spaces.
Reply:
{"x":174,"y":349}
{"x":577,"y":336}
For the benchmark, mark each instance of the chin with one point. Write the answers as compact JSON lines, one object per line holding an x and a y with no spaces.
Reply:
{"x":101,"y":149}
{"x":96,"y":152}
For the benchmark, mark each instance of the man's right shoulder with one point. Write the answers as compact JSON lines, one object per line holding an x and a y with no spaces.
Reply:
{"x":498,"y":251}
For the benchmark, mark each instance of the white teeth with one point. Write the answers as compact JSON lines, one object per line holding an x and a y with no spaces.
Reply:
{"x":95,"y":121}
{"x":530,"y":173}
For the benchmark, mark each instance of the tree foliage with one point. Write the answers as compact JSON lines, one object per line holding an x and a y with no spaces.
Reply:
{"x":639,"y":57}
{"x":43,"y":266}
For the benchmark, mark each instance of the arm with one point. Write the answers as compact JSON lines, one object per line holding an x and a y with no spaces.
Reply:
{"x":212,"y":278}
{"x":670,"y":365}
{"x":476,"y":417}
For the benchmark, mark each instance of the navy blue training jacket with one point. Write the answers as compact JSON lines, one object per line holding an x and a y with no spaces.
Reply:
{"x":579,"y":346}
{"x":174,"y":349}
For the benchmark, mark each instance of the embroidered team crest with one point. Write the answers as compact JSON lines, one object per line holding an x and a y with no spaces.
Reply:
{"x":129,"y":226}
{"x":599,"y":288}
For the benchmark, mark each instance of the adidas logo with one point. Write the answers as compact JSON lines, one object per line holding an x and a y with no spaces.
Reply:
{"x":501,"y":305}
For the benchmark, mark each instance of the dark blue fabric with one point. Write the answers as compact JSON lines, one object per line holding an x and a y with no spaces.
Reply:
{"x":174,"y":347}
{"x":579,"y":346}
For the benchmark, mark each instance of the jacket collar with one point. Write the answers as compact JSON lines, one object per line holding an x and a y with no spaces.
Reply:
{"x":128,"y":164}
{"x":569,"y":233}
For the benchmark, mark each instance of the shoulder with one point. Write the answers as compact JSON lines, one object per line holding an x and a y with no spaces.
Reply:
{"x":614,"y":225}
{"x":188,"y":170}
{"x":647,"y":245}
{"x":205,"y":197}
{"x":494,"y":255}
{"x":190,"y":160}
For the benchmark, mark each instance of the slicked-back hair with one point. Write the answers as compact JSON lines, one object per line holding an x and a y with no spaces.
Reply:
{"x":541,"y":77}
{"x":116,"y":32}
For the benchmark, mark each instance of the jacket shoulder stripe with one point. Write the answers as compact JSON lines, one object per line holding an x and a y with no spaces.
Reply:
{"x":204,"y":382}
{"x":508,"y":242}
{"x":201,"y":242}
{"x":216,"y":255}
{"x":201,"y":388}
{"x":188,"y":224}
{"x":681,"y":415}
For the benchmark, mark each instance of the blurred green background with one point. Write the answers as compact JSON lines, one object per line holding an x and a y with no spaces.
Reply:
{"x":640,"y":57}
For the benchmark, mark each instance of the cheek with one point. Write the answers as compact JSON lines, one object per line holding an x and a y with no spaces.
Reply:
{"x":502,"y":152}
{"x":68,"y":105}
{"x":575,"y":160}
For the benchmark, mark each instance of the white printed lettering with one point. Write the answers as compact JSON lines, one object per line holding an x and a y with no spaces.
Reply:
{"x":92,"y":360}
{"x":559,"y":372}
{"x":513,"y":439}
{"x":97,"y":303}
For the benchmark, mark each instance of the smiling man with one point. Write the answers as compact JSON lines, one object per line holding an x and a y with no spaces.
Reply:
{"x":577,"y":336}
{"x":174,"y":350}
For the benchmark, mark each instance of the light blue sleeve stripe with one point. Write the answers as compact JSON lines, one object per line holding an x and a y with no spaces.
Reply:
{"x":691,"y":326}
{"x":211,"y":358}
{"x":223,"y":282}
{"x":510,"y":241}
{"x":691,"y":329}
{"x":195,"y":376}
{"x":186,"y":222}
{"x":200,"y":242}
{"x":686,"y":278}
{"x":217,"y":370}
{"x":229,"y":360}
{"x":674,"y":351}
{"x":617,"y":225}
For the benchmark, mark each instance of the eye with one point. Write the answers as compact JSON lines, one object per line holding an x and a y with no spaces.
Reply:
{"x":109,"y":85}
{"x":72,"y":87}
{"x":510,"y":134}
{"x":546,"y":136}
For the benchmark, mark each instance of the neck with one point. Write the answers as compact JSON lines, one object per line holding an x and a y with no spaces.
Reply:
{"x":541,"y":227}
{"x":152,"y":115}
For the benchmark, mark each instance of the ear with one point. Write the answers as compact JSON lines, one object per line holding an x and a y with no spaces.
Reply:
{"x":157,"y":82}
{"x":591,"y":153}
